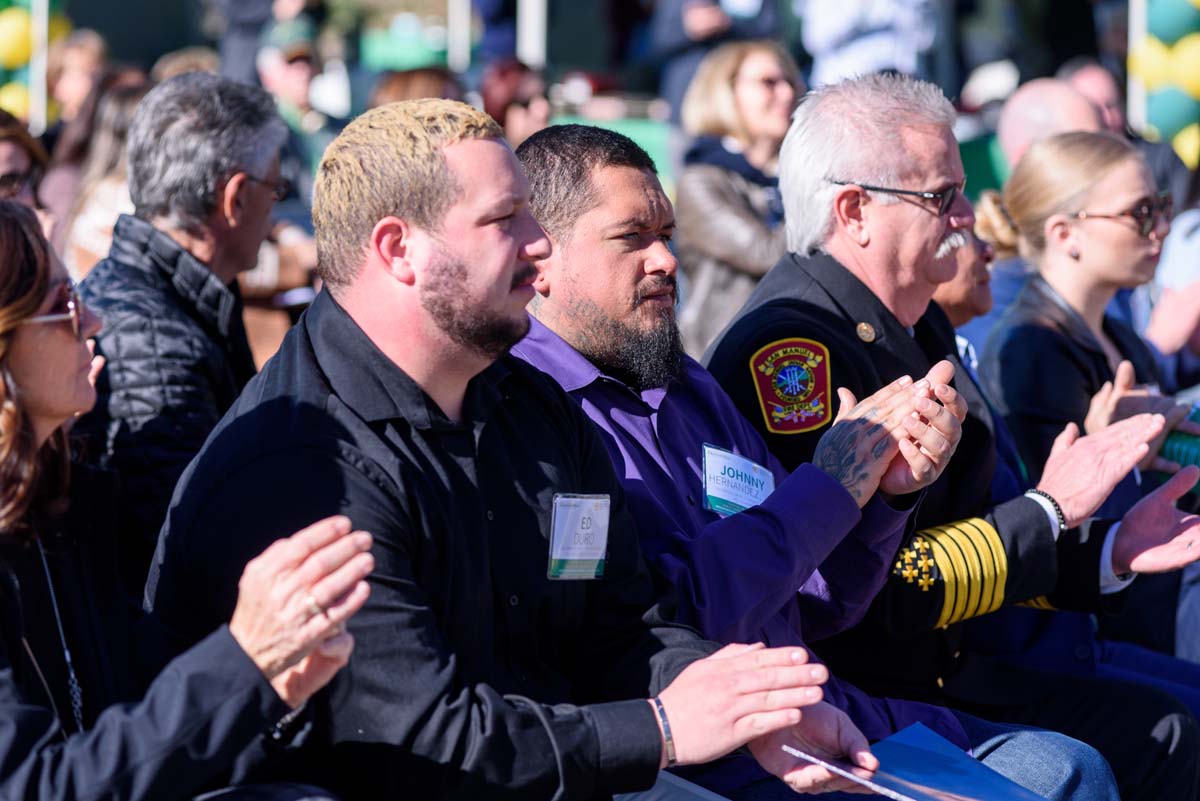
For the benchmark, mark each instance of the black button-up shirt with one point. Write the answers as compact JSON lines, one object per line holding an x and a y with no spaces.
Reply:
{"x":473,"y":675}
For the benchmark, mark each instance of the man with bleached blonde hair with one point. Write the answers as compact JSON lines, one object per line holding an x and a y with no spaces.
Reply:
{"x":512,"y":645}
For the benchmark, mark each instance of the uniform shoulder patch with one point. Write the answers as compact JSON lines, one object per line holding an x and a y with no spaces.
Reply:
{"x":791,"y":377}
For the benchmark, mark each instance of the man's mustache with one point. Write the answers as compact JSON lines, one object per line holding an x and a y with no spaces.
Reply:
{"x":523,"y":275}
{"x":654,"y":286}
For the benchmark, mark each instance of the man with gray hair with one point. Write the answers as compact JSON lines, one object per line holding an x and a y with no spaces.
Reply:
{"x":872,"y":187}
{"x":204,"y":176}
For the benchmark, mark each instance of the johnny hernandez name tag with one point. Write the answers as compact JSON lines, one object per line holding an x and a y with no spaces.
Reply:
{"x":733,"y":483}
{"x":578,"y":536}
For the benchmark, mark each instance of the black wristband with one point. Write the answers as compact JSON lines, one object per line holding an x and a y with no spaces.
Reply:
{"x":1058,"y":512}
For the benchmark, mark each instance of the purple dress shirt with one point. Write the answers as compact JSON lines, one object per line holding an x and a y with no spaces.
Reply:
{"x":806,"y":562}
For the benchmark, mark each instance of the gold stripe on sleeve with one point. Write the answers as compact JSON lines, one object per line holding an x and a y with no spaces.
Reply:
{"x":995,"y":561}
{"x":970,"y":557}
{"x":953,"y":569}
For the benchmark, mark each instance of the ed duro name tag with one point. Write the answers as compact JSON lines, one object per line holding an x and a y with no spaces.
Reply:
{"x":733,"y":483}
{"x":578,"y":536}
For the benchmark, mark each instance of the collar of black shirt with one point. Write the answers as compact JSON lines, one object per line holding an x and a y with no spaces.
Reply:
{"x":374,"y":386}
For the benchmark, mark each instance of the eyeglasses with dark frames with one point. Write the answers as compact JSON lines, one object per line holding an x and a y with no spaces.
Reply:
{"x":73,"y":304}
{"x":280,"y":187}
{"x":944,"y":197}
{"x":1145,"y":213}
{"x":13,"y":183}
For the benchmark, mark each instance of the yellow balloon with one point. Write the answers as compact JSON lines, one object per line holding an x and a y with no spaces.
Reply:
{"x":1187,"y":145}
{"x":16,"y":37}
{"x":60,"y":26}
{"x":1150,"y":62}
{"x":1185,"y":64}
{"x":14,"y":98}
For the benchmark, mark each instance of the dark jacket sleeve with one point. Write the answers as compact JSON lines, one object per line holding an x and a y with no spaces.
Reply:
{"x":951,"y":567}
{"x":155,"y":407}
{"x":402,"y":713}
{"x":1038,"y":382}
{"x":838,"y":596}
{"x":205,"y":707}
{"x":776,"y":547}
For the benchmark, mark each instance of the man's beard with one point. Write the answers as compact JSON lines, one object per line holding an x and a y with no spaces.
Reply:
{"x":444,"y":298}
{"x":642,"y":359}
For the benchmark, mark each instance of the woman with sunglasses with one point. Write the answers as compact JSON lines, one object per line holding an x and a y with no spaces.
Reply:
{"x":77,"y":719}
{"x":1082,"y":208}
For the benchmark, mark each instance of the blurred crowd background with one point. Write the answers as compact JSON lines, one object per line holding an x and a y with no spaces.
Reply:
{"x":625,"y":64}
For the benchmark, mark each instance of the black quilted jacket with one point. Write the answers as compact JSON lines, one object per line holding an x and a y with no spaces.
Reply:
{"x":177,"y":358}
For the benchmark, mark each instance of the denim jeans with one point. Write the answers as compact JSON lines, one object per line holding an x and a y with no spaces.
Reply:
{"x":1128,"y":662}
{"x":1051,"y":765}
{"x":1187,"y":615}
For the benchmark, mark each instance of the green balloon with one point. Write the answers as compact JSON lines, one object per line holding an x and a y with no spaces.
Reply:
{"x":1171,"y":110}
{"x":1170,"y":20}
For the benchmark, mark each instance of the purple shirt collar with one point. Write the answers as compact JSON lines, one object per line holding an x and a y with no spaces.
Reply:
{"x":571,"y":369}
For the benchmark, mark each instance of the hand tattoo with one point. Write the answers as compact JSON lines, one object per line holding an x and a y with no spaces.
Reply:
{"x":837,"y":452}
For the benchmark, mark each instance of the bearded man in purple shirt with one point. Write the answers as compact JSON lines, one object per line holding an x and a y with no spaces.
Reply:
{"x":753,"y":553}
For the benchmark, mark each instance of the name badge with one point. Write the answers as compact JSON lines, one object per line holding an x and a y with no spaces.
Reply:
{"x":578,"y":536}
{"x":733,"y":483}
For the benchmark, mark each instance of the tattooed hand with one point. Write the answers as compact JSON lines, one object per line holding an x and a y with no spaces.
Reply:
{"x":899,"y":440}
{"x":862,"y":442}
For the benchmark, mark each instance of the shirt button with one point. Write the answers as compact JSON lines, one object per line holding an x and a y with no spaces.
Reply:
{"x":957,"y":654}
{"x":940,"y":682}
{"x":691,"y":500}
{"x":513,"y":600}
{"x":490,"y":515}
{"x":1083,"y":653}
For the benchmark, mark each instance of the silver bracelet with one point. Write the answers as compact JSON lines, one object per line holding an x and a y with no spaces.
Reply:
{"x":668,"y":741}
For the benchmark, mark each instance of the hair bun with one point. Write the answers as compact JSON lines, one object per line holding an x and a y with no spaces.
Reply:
{"x":994,"y":224}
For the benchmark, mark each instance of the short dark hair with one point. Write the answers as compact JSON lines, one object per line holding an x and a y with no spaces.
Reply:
{"x":559,"y":161}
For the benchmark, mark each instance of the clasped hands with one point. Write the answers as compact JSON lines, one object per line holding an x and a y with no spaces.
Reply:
{"x":898,"y":440}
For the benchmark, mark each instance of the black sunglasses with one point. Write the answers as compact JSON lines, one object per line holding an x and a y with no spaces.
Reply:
{"x":1145,"y":213}
{"x":945,"y":198}
{"x":280,"y":187}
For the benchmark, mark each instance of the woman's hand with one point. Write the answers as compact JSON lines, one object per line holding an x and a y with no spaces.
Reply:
{"x":1121,"y":399}
{"x":293,"y":602}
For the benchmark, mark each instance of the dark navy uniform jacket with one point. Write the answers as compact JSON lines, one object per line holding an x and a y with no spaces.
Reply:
{"x":968,"y":557}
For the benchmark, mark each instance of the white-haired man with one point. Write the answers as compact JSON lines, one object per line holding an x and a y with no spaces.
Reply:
{"x":872,"y":186}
